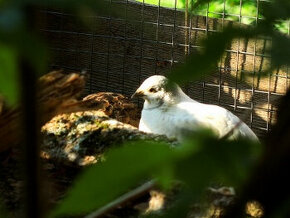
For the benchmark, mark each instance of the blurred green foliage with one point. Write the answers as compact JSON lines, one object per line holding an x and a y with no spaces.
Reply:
{"x":245,"y":11}
{"x":133,"y":163}
{"x":8,"y":74}
{"x":19,"y":41}
{"x":206,"y":60}
{"x":123,"y":169}
{"x":180,"y":4}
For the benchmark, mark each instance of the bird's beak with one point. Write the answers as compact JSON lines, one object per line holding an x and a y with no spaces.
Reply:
{"x":138,"y":93}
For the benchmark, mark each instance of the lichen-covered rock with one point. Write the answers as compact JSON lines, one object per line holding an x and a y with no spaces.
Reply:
{"x":82,"y":137}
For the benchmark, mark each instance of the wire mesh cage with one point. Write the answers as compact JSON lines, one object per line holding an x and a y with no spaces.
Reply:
{"x":119,"y":52}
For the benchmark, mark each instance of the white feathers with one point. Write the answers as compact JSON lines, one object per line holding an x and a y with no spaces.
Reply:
{"x":169,"y":111}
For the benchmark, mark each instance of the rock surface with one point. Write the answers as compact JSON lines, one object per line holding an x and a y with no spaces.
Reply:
{"x":82,"y":137}
{"x":116,"y":106}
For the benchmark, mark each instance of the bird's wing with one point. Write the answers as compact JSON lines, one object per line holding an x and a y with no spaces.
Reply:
{"x":244,"y":131}
{"x":197,"y":115}
{"x":237,"y":127}
{"x":220,"y":120}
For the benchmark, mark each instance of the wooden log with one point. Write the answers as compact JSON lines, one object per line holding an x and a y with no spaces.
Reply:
{"x":57,"y":93}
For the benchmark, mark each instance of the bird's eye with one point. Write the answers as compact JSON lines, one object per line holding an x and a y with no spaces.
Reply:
{"x":152,"y":90}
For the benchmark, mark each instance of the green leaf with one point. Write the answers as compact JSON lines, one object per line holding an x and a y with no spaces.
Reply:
{"x":200,"y":160}
{"x":280,"y":50}
{"x":165,"y":3}
{"x":205,"y":61}
{"x":276,"y":10}
{"x":224,"y":161}
{"x":123,"y":169}
{"x":208,"y":160}
{"x":165,"y":176}
{"x":9,"y":74}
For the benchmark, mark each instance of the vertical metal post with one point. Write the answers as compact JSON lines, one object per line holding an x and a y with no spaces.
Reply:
{"x":30,"y":129}
{"x":254,"y":70}
{"x":91,"y":55}
{"x":108,"y":48}
{"x":220,"y":73}
{"x":206,"y":32}
{"x":125,"y":48}
{"x":238,"y":58}
{"x":287,"y":71}
{"x":141,"y":44}
{"x":157,"y":36}
{"x":30,"y":141}
{"x":186,"y":47}
{"x":173,"y":33}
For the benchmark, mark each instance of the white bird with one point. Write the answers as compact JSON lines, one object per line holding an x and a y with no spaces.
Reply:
{"x":169,"y":111}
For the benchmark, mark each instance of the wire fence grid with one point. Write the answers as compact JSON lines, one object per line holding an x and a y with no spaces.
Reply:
{"x":119,"y":52}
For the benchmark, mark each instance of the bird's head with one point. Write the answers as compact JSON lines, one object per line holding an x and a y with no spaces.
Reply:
{"x":157,"y":90}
